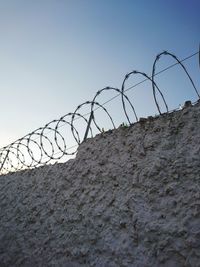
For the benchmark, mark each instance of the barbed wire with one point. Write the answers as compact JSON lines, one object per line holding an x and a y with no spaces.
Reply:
{"x":38,"y":148}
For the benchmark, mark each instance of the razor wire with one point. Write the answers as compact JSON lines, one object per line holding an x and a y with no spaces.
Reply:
{"x":38,"y":148}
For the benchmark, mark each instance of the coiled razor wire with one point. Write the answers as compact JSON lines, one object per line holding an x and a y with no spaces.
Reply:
{"x":38,"y":148}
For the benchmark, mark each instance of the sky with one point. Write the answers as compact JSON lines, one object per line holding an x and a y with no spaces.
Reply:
{"x":55,"y":54}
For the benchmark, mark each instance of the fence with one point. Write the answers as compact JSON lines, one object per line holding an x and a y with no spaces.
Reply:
{"x":48,"y":144}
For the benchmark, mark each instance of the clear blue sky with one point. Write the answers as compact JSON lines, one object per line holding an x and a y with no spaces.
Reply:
{"x":55,"y":54}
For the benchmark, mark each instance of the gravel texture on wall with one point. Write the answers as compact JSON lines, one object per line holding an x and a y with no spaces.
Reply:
{"x":131,"y":197}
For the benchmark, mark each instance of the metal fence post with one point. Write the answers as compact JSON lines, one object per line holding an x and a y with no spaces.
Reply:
{"x":4,"y":160}
{"x":88,"y":126}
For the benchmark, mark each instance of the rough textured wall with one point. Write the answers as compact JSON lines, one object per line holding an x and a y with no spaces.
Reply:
{"x":130,"y":198}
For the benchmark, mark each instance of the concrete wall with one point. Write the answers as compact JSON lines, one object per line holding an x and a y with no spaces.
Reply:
{"x":130,"y":198}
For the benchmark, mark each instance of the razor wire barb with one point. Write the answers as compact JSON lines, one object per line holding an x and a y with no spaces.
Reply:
{"x":38,"y":148}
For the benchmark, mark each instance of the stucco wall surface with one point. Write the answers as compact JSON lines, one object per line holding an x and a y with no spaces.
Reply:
{"x":131,"y":197}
